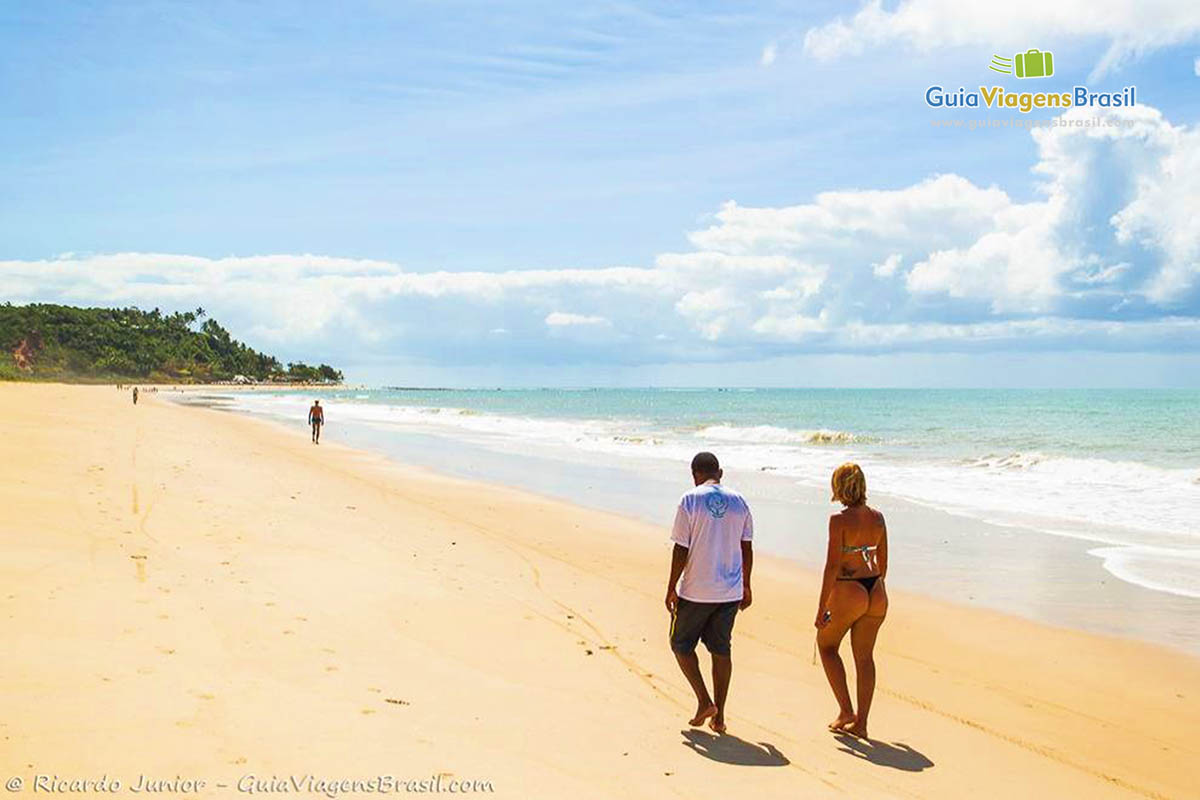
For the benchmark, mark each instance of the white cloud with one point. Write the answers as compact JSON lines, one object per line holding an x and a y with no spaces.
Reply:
{"x":791,"y":327}
{"x":712,"y":312}
{"x":561,"y":319}
{"x":1016,"y":265}
{"x":888,"y":267}
{"x":1032,"y":331}
{"x":1109,"y":188}
{"x":769,"y":54}
{"x":1106,"y":255}
{"x":1130,"y":29}
{"x":947,"y":208}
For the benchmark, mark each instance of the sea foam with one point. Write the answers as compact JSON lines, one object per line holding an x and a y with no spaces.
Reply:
{"x":1144,"y":515}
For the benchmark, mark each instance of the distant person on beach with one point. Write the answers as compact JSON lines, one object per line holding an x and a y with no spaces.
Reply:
{"x":853,"y":597}
{"x":709,"y":582}
{"x":135,"y":394}
{"x":316,"y":418}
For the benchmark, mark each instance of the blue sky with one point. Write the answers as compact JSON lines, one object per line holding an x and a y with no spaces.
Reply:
{"x":606,"y":193}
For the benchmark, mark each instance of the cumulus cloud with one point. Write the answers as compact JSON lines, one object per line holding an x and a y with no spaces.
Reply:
{"x":888,"y":267}
{"x":1118,"y":223}
{"x":1130,"y":29}
{"x":1106,"y":255}
{"x":940,"y":210}
{"x":769,"y":54}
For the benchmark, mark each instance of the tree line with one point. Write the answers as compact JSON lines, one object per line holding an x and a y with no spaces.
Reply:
{"x":46,"y":341}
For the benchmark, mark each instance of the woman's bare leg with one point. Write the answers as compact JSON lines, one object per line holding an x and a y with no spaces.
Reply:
{"x":862,"y":643}
{"x":848,"y":602}
{"x":835,"y":672}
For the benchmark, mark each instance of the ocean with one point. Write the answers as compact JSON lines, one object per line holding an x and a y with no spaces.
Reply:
{"x":1118,"y":471}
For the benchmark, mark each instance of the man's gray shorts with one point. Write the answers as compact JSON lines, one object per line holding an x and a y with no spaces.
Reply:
{"x":711,"y":623}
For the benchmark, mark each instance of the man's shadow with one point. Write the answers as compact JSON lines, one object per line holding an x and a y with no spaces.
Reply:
{"x":896,"y":755}
{"x":729,"y":749}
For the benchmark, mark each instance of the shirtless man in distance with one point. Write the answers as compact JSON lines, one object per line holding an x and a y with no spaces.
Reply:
{"x":316,"y":418}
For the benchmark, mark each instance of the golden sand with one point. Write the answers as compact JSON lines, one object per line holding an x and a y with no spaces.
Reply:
{"x":189,"y":594}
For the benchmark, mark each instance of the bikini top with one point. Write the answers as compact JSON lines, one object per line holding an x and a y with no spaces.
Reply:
{"x":867,"y":551}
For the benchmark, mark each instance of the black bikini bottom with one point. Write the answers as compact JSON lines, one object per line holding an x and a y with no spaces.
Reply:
{"x":866,"y":583}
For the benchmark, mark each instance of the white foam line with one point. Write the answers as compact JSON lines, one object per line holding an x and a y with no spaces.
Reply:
{"x":1092,"y":500}
{"x":1120,"y":562}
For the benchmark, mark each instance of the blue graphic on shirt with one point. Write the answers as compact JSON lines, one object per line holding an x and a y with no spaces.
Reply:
{"x":716,"y":503}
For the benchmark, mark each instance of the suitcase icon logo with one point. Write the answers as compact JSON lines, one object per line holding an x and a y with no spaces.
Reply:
{"x":1033,"y":63}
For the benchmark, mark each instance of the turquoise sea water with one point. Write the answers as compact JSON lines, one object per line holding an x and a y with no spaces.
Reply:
{"x":1160,"y":428}
{"x":1118,"y":469}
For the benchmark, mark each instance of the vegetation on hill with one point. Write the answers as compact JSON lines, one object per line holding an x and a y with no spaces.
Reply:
{"x":53,"y":342}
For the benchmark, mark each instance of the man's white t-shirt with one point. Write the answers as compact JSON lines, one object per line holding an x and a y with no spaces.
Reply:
{"x":712,"y":522}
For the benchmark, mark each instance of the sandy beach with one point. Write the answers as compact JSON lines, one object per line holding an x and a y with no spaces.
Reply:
{"x":193,"y":594}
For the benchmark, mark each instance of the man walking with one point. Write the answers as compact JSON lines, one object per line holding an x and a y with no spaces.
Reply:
{"x":316,"y":418}
{"x":709,"y":583}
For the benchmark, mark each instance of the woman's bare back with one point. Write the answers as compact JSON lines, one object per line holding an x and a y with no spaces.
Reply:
{"x":863,"y":531}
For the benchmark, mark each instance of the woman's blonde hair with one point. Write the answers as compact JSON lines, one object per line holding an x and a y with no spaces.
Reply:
{"x":849,"y":485}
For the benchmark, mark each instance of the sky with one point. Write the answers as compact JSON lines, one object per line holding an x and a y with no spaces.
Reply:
{"x":617,"y":193}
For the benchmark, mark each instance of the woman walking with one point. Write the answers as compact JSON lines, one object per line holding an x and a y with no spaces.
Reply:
{"x":853,"y":597}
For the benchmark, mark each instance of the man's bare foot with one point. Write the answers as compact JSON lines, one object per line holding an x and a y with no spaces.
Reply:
{"x":718,"y":723}
{"x":843,"y":720}
{"x":703,"y":713}
{"x":858,"y":729}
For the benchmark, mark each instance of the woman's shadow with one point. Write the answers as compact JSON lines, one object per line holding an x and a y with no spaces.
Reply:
{"x":731,"y":750}
{"x":896,"y":755}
